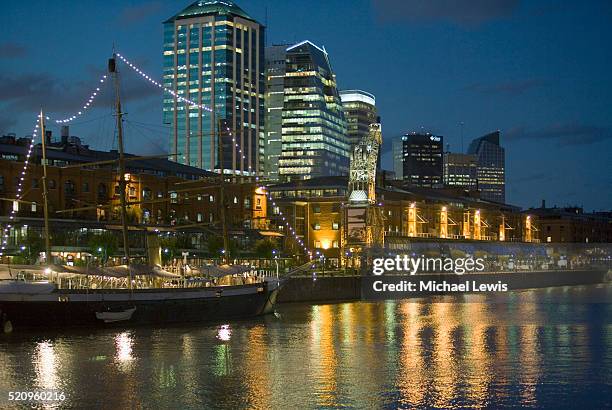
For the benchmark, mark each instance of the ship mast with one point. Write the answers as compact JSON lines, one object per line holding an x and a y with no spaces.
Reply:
{"x":226,"y":250}
{"x":112,"y":69}
{"x":45,"y":190}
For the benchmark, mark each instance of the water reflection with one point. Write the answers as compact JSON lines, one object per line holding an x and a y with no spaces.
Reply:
{"x":123,"y":345}
{"x":46,"y":366}
{"x":406,"y":354}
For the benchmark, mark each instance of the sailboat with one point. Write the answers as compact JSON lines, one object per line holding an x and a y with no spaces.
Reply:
{"x":128,"y":294}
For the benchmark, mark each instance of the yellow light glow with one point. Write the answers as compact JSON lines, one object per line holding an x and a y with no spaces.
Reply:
{"x":325,"y":244}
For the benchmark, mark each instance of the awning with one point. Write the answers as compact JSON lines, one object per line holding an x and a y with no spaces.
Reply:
{"x":218,"y":271}
{"x":270,"y":233}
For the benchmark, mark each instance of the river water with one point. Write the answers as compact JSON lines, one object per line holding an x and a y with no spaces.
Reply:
{"x":535,"y":348}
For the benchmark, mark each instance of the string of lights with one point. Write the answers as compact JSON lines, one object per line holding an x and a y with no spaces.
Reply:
{"x":19,"y":194}
{"x":144,"y":75}
{"x":297,"y":239}
{"x":159,"y":85}
{"x":86,"y":106}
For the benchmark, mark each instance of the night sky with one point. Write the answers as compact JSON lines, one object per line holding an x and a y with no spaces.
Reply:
{"x":539,"y":71}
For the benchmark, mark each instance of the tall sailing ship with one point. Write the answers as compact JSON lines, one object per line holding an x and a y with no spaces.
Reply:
{"x":53,"y":295}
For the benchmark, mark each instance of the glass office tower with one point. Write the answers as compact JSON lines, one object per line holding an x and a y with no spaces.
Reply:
{"x":359,"y":111}
{"x":491,"y":173}
{"x":460,"y":170}
{"x":275,"y":96}
{"x":314,"y":141}
{"x":214,"y":56}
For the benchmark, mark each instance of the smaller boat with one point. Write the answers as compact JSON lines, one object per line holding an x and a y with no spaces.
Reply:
{"x":119,"y":316}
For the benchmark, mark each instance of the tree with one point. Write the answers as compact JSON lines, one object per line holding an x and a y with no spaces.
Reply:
{"x":264,"y":247}
{"x":215,"y":246}
{"x":104,"y":245}
{"x":30,"y":248}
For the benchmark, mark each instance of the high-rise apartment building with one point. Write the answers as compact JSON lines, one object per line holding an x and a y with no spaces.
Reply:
{"x":275,"y":96}
{"x":418,"y":159}
{"x":359,"y":111}
{"x":491,"y":174}
{"x":460,"y":170}
{"x":214,"y":56}
{"x":314,"y":141}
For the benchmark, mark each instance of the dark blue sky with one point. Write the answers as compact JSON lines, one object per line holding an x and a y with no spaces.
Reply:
{"x":539,"y":71}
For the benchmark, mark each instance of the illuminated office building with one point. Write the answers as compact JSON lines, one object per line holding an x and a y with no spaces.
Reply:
{"x":491,"y":175}
{"x":214,"y":56}
{"x":418,"y":159}
{"x":275,"y":93}
{"x":359,"y":111}
{"x":314,"y":141}
{"x":460,"y":170}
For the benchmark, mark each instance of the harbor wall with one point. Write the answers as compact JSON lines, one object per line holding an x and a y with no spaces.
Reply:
{"x":345,"y":288}
{"x":325,"y":288}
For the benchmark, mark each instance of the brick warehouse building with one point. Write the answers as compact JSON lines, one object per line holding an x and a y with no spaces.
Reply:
{"x":164,"y":195}
{"x":314,"y":207}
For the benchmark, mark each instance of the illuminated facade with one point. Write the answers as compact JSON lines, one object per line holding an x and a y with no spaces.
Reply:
{"x":460,"y":170}
{"x":159,"y":192}
{"x":315,"y":209}
{"x":491,"y":174}
{"x":314,"y":141}
{"x":359,"y":111}
{"x":275,"y":95}
{"x":214,"y":55}
{"x":418,"y":158}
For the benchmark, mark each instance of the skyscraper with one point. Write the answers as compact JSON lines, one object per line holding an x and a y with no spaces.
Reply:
{"x":214,"y":56}
{"x":491,"y":175}
{"x":460,"y":170}
{"x":359,"y":111}
{"x":314,"y":141}
{"x":418,"y":157}
{"x":275,"y":93}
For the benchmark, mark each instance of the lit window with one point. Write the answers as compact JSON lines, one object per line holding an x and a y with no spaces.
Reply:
{"x":317,"y":227}
{"x":335,"y":226}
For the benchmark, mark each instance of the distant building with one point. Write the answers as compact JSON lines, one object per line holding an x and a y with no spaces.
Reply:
{"x":418,"y":160}
{"x":314,"y":141}
{"x":275,"y":94}
{"x":460,"y":170}
{"x":572,"y":224}
{"x":491,"y":174}
{"x":397,"y":151}
{"x":214,"y":55}
{"x":359,"y":111}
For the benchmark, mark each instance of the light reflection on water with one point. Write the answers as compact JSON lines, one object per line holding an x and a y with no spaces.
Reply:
{"x":533,"y":350}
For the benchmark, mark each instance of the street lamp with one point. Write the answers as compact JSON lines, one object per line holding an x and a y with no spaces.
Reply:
{"x":275,"y":261}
